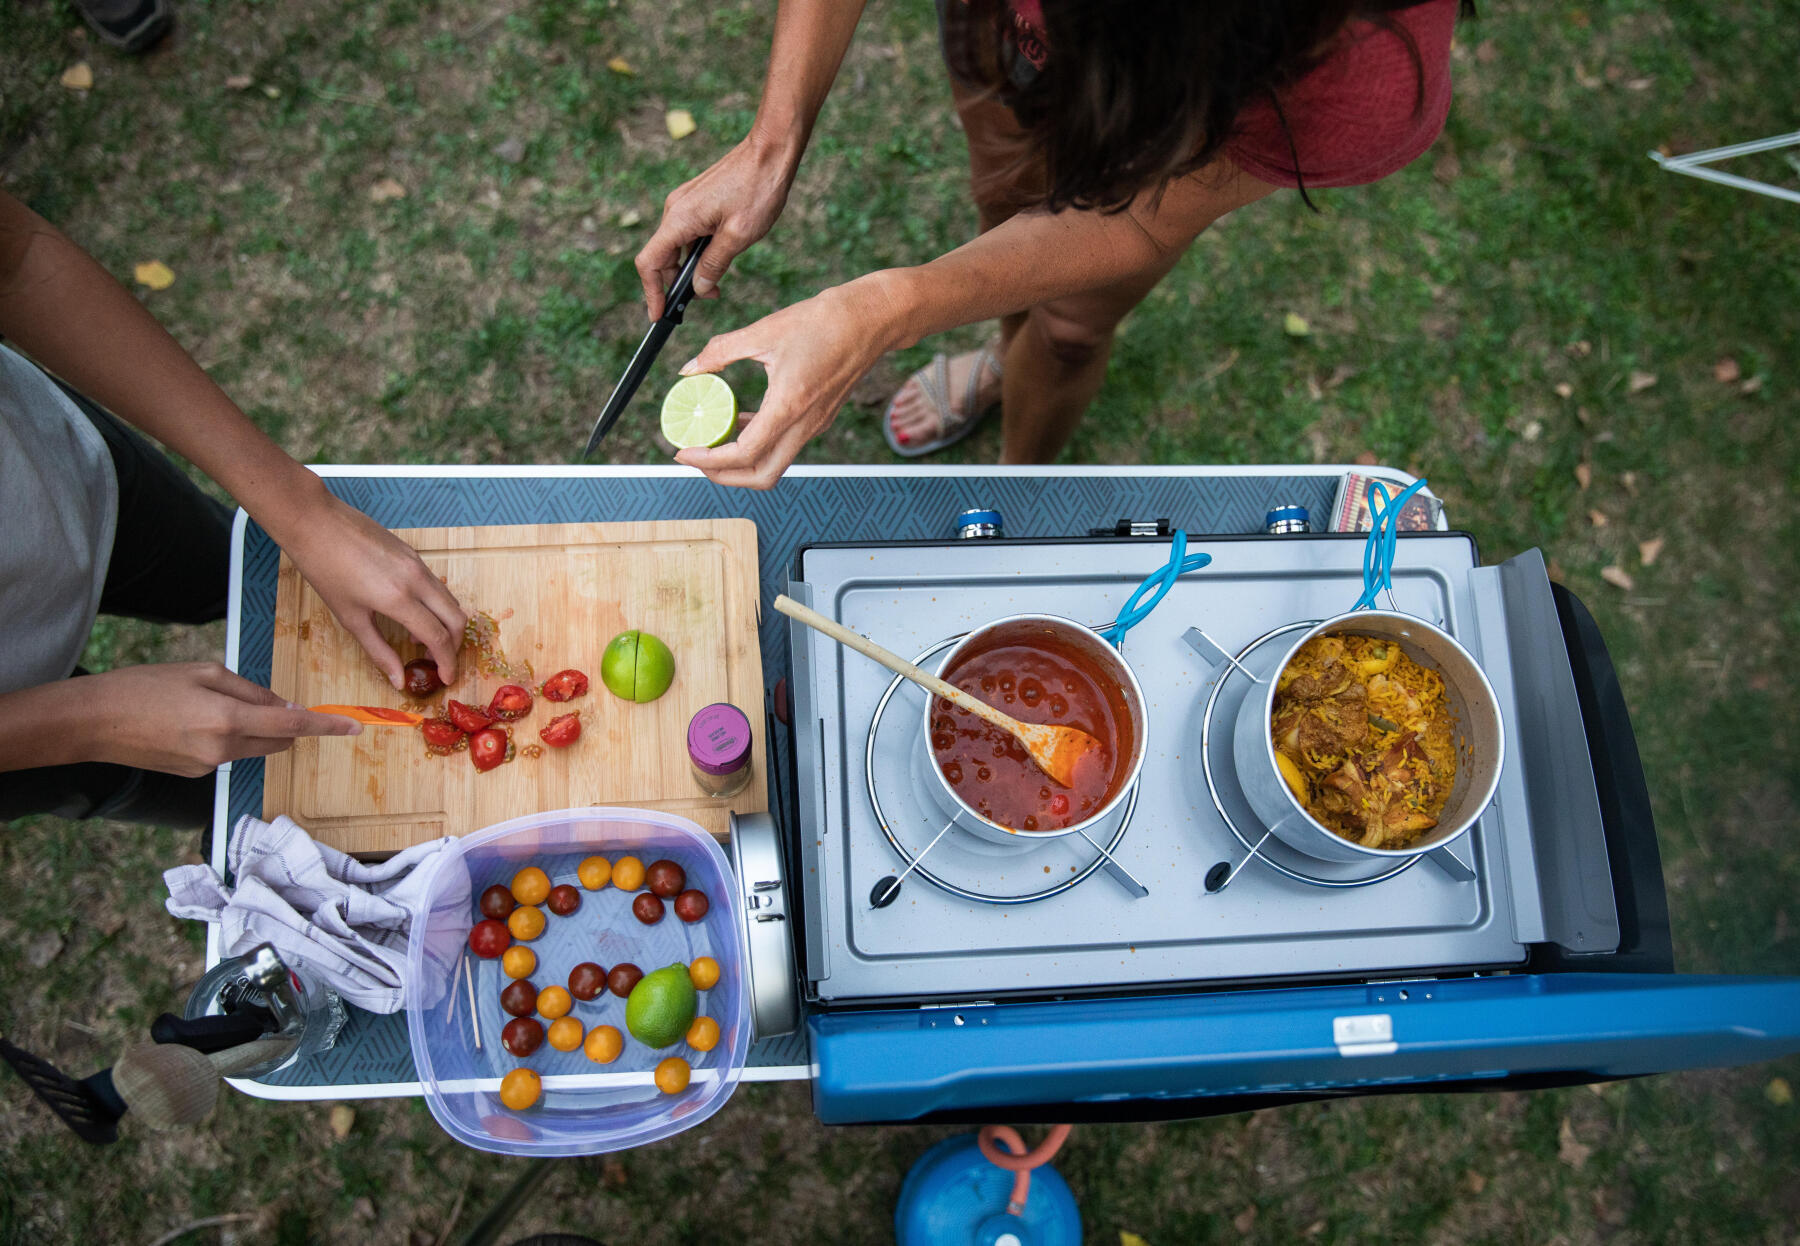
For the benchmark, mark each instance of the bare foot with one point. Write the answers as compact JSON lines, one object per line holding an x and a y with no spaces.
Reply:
{"x":916,"y":418}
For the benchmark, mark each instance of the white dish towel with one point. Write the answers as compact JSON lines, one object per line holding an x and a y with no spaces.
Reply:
{"x":329,"y":916}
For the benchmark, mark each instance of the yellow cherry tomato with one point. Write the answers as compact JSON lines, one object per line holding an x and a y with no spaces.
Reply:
{"x":604,"y":1043}
{"x":564,"y":1034}
{"x":526,"y":922}
{"x":554,"y":1002}
{"x":520,"y":1089}
{"x":518,"y":962}
{"x":703,"y":973}
{"x":594,"y":873}
{"x":530,"y":885}
{"x":628,"y":873}
{"x":703,"y":1035}
{"x":672,"y":1075}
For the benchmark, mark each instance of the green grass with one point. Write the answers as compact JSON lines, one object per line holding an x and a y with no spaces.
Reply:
{"x":483,"y":317}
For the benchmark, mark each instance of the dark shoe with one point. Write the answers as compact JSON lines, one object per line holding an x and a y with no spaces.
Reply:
{"x":129,"y":25}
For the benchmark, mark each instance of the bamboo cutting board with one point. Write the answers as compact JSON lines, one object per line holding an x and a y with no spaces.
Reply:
{"x":559,"y":593}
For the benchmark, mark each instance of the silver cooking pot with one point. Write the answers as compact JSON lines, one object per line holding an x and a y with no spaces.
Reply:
{"x":1480,"y":743}
{"x":1019,"y":629}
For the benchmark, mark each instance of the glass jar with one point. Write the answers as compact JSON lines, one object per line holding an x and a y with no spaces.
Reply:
{"x":719,"y":750}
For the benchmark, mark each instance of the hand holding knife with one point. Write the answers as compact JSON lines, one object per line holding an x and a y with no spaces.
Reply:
{"x":679,"y":296}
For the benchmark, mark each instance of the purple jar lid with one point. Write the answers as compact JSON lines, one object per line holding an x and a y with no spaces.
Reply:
{"x":719,"y":739}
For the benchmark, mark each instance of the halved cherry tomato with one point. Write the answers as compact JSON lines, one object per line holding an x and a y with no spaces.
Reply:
{"x":469,"y":720}
{"x":421,"y":678}
{"x":489,"y":748}
{"x":441,"y":735}
{"x":510,"y":703}
{"x":561,"y":731}
{"x":565,"y":686}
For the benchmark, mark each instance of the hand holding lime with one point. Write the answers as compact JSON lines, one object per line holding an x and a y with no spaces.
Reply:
{"x":700,"y":411}
{"x":637,"y":667}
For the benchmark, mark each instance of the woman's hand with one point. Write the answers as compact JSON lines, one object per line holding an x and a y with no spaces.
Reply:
{"x":813,"y":352}
{"x":736,"y":202}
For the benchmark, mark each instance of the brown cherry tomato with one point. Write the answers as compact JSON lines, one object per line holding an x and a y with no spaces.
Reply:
{"x":561,"y":731}
{"x":519,"y":998}
{"x":510,"y":703}
{"x":421,"y":678}
{"x":489,"y":938}
{"x":563,"y":900}
{"x":470,"y":720}
{"x":441,"y":735}
{"x":691,"y":905}
{"x":565,"y":686}
{"x":666,"y":879}
{"x":489,"y":748}
{"x":647,"y":908}
{"x":497,"y":902}
{"x":622,"y":978}
{"x":587,"y":980}
{"x":522,"y":1035}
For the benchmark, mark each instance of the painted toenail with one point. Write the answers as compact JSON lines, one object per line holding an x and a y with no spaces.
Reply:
{"x":901,"y":437}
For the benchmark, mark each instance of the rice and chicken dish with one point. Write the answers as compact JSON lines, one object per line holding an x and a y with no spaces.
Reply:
{"x":1365,"y":738}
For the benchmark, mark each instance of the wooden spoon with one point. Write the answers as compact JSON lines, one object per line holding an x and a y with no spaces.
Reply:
{"x":1056,"y":750}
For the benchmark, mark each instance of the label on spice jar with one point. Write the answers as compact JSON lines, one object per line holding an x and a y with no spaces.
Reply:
{"x":719,"y":740}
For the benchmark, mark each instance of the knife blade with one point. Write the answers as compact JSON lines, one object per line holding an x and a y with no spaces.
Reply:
{"x":679,"y":295}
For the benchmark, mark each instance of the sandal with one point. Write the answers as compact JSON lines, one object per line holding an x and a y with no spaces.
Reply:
{"x":129,"y":25}
{"x":934,"y":380}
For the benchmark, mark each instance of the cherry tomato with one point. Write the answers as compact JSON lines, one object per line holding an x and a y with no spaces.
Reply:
{"x":497,"y":902}
{"x":704,"y":973}
{"x":563,"y":900}
{"x":565,"y":1034}
{"x":489,"y":938}
{"x":594,"y":873}
{"x":604,"y":1043}
{"x":561,"y":731}
{"x":530,"y":885}
{"x":672,"y":1075}
{"x":489,"y":748}
{"x":666,"y":879}
{"x":1059,"y":804}
{"x":628,"y":873}
{"x":647,"y":908}
{"x":421,"y":678}
{"x":623,"y":977}
{"x":510,"y":703}
{"x":519,"y":998}
{"x":522,"y":1036}
{"x":441,"y":735}
{"x":703,"y":1035}
{"x":587,"y":980}
{"x":691,"y":905}
{"x":526,"y":922}
{"x":565,"y":686}
{"x":518,"y":962}
{"x":469,"y":720}
{"x":520,"y":1089}
{"x":553,"y":1002}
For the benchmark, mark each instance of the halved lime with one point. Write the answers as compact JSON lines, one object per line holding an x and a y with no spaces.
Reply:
{"x":699,"y":411}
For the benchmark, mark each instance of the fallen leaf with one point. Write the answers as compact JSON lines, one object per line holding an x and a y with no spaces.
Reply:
{"x":78,"y":77}
{"x":613,"y":1175}
{"x":43,"y":949}
{"x":619,"y":65}
{"x":1339,"y":375}
{"x":1597,"y":518}
{"x":1584,"y":415}
{"x":240,"y":82}
{"x":1475,"y":1181}
{"x":1487,"y":52}
{"x":1367,"y":459}
{"x":343,"y":1116}
{"x":680,"y":122}
{"x":1564,"y":389}
{"x":1726,"y":370}
{"x":1556,"y":572}
{"x":1639,"y":84}
{"x":1751,"y":386}
{"x":1568,"y":1150}
{"x":1245,"y":1220}
{"x":1778,"y":1092}
{"x":1533,"y":430}
{"x":511,"y":150}
{"x":385,"y":189}
{"x":1640,"y":381}
{"x":629,"y":217}
{"x":273,"y":92}
{"x":1580,"y":350}
{"x":363,"y":1208}
{"x":1629,"y":480}
{"x":1584,"y":79}
{"x":1294,"y":325}
{"x":1314,"y":1229}
{"x":1618,"y":577}
{"x":155,"y":274}
{"x":1649,"y":551}
{"x":1584,"y":475}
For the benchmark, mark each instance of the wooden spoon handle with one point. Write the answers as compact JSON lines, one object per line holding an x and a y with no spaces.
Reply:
{"x":894,"y":662}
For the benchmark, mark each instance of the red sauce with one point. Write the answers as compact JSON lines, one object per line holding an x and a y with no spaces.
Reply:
{"x":1031,"y":675}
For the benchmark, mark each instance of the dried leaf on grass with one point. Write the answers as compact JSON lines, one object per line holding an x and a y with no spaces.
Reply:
{"x":1751,"y":386}
{"x":1314,"y":1229}
{"x":1584,"y":475}
{"x":1294,"y":325}
{"x":1564,"y":389}
{"x":1638,"y":382}
{"x":619,"y":65}
{"x":240,"y":82}
{"x":1533,"y":430}
{"x":1245,"y":1220}
{"x":1131,"y":1239}
{"x":1649,"y":551}
{"x":630,"y":217}
{"x":1475,"y":1181}
{"x":78,"y":77}
{"x":680,"y":122}
{"x":1779,"y":1092}
{"x":1568,"y":1150}
{"x":343,"y":1117}
{"x":155,"y":274}
{"x":1598,"y":518}
{"x":1618,"y":577}
{"x":1726,"y":370}
{"x":385,"y":189}
{"x":1367,"y":459}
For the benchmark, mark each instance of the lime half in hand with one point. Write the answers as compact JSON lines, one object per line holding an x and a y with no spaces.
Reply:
{"x":699,"y":411}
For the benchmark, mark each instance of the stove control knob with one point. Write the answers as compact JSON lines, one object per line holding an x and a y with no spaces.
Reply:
{"x":981,"y":522}
{"x":1283,"y":520}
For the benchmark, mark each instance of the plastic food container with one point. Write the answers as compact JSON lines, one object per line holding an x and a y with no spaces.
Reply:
{"x":585,"y":1108}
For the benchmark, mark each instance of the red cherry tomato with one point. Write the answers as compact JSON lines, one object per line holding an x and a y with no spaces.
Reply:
{"x":489,"y":748}
{"x":563,"y":900}
{"x":565,"y":686}
{"x":647,"y":908}
{"x":441,"y":735}
{"x":666,"y":879}
{"x":519,"y":997}
{"x":623,"y":978}
{"x":562,"y":731}
{"x":587,"y":980}
{"x":522,"y":1036}
{"x":489,"y":938}
{"x":421,"y":678}
{"x":510,"y":703}
{"x":1059,"y":804}
{"x":497,"y":902}
{"x":469,"y":720}
{"x":691,"y":905}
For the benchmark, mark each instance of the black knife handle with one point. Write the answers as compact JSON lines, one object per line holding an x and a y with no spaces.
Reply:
{"x":216,"y":1033}
{"x":682,"y":292}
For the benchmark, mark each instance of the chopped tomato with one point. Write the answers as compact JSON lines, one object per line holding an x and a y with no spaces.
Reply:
{"x":441,"y":735}
{"x":490,"y":747}
{"x":510,"y":704}
{"x":562,"y":731}
{"x":466,"y":719}
{"x":565,"y":686}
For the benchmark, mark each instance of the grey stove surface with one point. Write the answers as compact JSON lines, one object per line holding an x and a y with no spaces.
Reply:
{"x":931,"y":944}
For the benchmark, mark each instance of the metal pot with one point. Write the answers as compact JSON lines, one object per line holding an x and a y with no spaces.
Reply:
{"x":1480,"y":743}
{"x":1019,"y":629}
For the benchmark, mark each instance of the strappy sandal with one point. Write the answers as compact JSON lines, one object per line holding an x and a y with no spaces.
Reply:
{"x":934,"y":380}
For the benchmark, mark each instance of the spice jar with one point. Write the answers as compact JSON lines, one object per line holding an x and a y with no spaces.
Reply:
{"x":719,"y":748}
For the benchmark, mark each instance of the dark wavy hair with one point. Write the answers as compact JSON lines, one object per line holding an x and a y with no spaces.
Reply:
{"x":1136,"y":93}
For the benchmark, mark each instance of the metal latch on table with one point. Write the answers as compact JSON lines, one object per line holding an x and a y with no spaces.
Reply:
{"x":1134,"y":527}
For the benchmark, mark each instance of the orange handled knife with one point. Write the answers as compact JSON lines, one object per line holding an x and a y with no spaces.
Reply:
{"x":374,"y":715}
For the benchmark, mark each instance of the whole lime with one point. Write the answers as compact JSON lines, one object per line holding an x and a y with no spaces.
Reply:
{"x":637,"y":667}
{"x":662,"y":1007}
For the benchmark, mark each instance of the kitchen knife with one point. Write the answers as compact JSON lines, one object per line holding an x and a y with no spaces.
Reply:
{"x":679,"y":295}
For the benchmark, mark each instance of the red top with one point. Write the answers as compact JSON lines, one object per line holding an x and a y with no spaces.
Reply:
{"x":1357,"y":117}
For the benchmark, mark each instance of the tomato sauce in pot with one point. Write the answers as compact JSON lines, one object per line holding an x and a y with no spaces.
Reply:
{"x":1043,"y":681}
